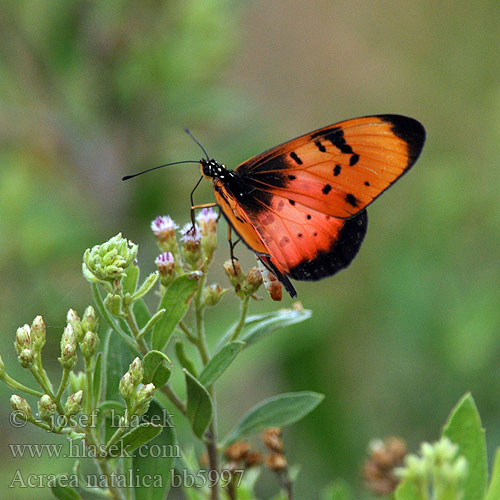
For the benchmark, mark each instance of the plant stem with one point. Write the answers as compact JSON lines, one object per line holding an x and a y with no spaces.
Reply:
{"x":243,"y":314}
{"x":46,"y":389}
{"x":62,"y":384}
{"x":20,"y":387}
{"x":88,"y":378}
{"x":201,"y":343}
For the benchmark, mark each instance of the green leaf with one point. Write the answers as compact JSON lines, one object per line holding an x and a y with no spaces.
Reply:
{"x":65,"y":492}
{"x":97,"y":380}
{"x":138,"y":436}
{"x":176,"y":303}
{"x":407,"y":490}
{"x":199,"y":405}
{"x":129,"y":281}
{"x":277,"y":411}
{"x":117,"y":359}
{"x":494,"y":487}
{"x":149,"y":466}
{"x":219,"y":363}
{"x":155,"y":370}
{"x":141,"y":312}
{"x":259,"y":326}
{"x":464,"y":429}
{"x":183,"y":358}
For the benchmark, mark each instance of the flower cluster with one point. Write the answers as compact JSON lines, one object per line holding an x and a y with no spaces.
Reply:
{"x":439,"y":467}
{"x":109,"y":261}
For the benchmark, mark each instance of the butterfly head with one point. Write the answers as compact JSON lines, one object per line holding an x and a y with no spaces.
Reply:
{"x":213,"y":169}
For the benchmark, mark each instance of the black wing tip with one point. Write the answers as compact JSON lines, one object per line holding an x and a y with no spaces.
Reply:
{"x":409,"y":130}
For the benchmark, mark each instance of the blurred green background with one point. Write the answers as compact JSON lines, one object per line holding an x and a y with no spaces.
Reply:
{"x":91,"y":91}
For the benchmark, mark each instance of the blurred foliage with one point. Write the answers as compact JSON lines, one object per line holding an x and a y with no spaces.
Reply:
{"x":90,"y":91}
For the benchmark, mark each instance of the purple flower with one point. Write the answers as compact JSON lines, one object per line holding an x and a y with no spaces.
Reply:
{"x":190,"y":233}
{"x":207,"y":219}
{"x":163,"y":227}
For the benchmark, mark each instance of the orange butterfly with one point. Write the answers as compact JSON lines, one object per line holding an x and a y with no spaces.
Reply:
{"x":301,"y":205}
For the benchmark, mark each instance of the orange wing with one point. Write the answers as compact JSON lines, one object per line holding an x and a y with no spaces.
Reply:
{"x":340,"y":169}
{"x":301,"y":205}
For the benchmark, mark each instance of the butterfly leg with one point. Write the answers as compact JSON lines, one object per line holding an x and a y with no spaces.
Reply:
{"x":198,"y":207}
{"x":232,"y":245}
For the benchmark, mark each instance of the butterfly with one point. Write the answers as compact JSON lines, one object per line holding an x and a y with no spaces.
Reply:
{"x":301,"y":206}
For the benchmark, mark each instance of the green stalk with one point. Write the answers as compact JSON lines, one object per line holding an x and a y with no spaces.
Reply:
{"x":20,"y":387}
{"x":243,"y":314}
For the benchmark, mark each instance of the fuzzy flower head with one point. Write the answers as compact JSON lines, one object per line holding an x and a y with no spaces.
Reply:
{"x":191,"y":244}
{"x":109,"y":261}
{"x":163,"y":227}
{"x":207,"y":220}
{"x":165,"y":263}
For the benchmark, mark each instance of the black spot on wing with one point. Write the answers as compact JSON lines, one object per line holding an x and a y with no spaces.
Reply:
{"x":351,"y":199}
{"x":337,"y":170}
{"x":409,"y":130}
{"x":353,"y":160}
{"x":340,"y":254}
{"x":295,"y":158}
{"x":327,"y":188}
{"x":336,"y":136}
{"x":320,"y":146}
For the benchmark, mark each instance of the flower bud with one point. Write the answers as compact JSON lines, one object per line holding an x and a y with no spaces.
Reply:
{"x":73,"y":404}
{"x":126,"y":387}
{"x":89,"y":344}
{"x":74,"y":320}
{"x":271,"y":282}
{"x":136,"y":371}
{"x":109,"y":261}
{"x":38,"y":333}
{"x":68,"y":348}
{"x":234,"y":273}
{"x":213,"y":294}
{"x":23,"y":338}
{"x":144,"y":396}
{"x":191,"y":245}
{"x":19,"y":404}
{"x":89,"y":320}
{"x":252,"y":282}
{"x":165,"y":264}
{"x":46,"y":408}
{"x":26,"y":358}
{"x":76,"y":381}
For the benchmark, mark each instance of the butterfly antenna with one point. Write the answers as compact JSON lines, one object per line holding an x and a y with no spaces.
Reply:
{"x":159,"y":166}
{"x":188,"y":132}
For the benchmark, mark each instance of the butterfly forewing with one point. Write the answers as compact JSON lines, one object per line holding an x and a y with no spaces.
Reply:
{"x":340,"y":169}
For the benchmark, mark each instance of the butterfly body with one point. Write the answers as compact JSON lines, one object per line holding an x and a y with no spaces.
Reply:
{"x":301,"y":206}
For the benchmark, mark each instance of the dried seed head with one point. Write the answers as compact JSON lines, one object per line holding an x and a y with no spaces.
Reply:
{"x":237,"y":451}
{"x":272,"y":439}
{"x":275,"y":462}
{"x":378,"y":469}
